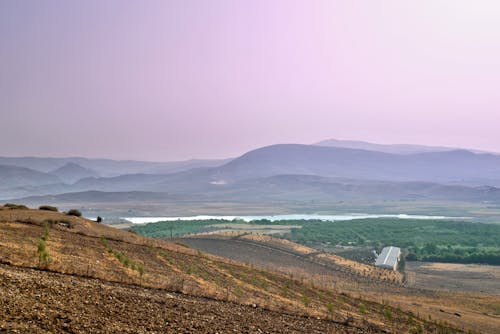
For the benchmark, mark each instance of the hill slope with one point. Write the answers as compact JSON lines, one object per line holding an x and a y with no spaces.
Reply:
{"x":111,"y":267}
{"x":451,"y":166}
{"x":38,"y":301}
{"x":14,"y":177}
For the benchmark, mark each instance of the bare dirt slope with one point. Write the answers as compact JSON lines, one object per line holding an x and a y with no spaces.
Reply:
{"x":291,"y":258}
{"x":479,"y":312}
{"x":87,"y":266}
{"x":36,"y":301}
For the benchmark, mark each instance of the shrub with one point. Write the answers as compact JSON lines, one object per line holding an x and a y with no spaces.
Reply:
{"x":330,"y":308}
{"x":74,"y":212}
{"x":362,"y":308}
{"x":45,"y":235}
{"x":99,"y":219}
{"x":388,"y":314}
{"x":15,"y":206}
{"x":43,"y":255}
{"x":140,"y":269}
{"x":48,"y":208}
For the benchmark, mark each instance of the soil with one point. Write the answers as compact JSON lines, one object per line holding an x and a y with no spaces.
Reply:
{"x":92,"y":284}
{"x":38,"y":301}
{"x":278,"y":258}
{"x":455,"y":277}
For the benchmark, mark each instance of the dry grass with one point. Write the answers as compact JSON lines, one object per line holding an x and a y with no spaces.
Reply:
{"x":81,"y":247}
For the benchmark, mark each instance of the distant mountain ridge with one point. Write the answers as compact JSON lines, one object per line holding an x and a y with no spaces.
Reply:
{"x":108,"y":167}
{"x":293,"y":171}
{"x":15,"y":176}
{"x":388,"y":148}
{"x":458,"y":166}
{"x":71,"y":172}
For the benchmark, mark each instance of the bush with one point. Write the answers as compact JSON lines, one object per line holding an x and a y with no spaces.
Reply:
{"x":74,"y":212}
{"x":48,"y":208}
{"x":43,"y":255}
{"x":15,"y":206}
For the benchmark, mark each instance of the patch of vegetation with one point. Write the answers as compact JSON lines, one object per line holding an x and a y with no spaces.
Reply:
{"x":330,"y":308}
{"x":123,"y":258}
{"x":48,"y":208}
{"x":74,"y":212}
{"x":179,"y":228}
{"x":424,"y":240}
{"x":15,"y":206}
{"x":43,"y":255}
{"x":362,"y":308}
{"x":495,"y":307}
{"x":306,"y":301}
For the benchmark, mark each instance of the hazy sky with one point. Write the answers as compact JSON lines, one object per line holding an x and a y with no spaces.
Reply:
{"x":167,"y":80}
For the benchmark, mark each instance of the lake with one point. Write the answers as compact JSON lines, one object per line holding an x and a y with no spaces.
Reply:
{"x":144,"y":220}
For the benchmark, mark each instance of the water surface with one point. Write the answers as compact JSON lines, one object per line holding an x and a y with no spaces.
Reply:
{"x":144,"y":220}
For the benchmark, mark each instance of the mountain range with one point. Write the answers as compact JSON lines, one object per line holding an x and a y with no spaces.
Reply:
{"x":388,"y":148}
{"x":280,"y":172}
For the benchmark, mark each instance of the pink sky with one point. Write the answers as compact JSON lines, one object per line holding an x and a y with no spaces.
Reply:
{"x":168,"y":80}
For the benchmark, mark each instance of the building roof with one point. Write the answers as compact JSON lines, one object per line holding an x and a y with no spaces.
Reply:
{"x":388,"y":257}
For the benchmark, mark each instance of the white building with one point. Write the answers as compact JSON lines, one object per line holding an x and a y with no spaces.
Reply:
{"x":389,"y":258}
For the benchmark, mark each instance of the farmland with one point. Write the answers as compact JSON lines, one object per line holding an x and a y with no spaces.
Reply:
{"x":424,"y":240}
{"x":453,"y":276}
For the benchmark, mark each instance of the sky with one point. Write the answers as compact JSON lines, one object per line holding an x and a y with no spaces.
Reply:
{"x":173,"y":80}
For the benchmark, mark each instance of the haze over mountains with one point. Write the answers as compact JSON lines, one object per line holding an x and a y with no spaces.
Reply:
{"x":387,"y":148}
{"x":279,"y":172}
{"x":108,"y":167}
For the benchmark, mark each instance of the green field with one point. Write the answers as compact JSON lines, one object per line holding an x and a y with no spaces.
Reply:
{"x":424,"y":240}
{"x":179,"y":228}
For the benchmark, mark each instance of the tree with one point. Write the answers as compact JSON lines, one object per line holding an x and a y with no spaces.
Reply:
{"x":74,"y":212}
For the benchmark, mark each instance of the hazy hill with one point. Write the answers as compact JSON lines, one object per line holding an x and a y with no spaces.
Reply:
{"x":14,"y":177}
{"x":386,"y":148}
{"x":451,"y":166}
{"x":290,"y":171}
{"x":99,"y":196}
{"x":108,"y":167}
{"x":301,"y":187}
{"x":279,"y":188}
{"x":72,"y":172}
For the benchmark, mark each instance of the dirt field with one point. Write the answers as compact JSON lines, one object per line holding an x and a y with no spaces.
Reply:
{"x":33,"y":301}
{"x":479,"y":312}
{"x":255,"y":229}
{"x":455,"y":277}
{"x":278,"y":257}
{"x":255,"y":255}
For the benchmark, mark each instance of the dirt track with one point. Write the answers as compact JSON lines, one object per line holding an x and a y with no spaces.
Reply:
{"x":38,"y":302}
